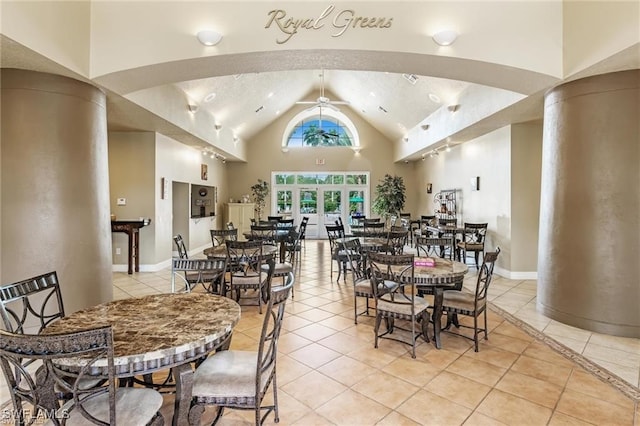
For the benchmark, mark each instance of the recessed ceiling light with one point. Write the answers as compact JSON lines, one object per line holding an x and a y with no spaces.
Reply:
{"x":411,"y":78}
{"x":270,"y":94}
{"x":211,"y":96}
{"x":434,"y":98}
{"x":445,"y":38}
{"x":278,"y":112}
{"x":209,"y":37}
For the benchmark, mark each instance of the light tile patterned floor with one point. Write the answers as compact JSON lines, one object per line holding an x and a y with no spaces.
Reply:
{"x":329,"y":372}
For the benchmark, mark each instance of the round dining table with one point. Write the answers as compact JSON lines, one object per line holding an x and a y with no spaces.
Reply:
{"x":444,"y":275}
{"x":157,"y":332}
{"x":220,"y":252}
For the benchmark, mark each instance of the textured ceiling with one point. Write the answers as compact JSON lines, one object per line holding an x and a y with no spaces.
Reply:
{"x":390,"y":102}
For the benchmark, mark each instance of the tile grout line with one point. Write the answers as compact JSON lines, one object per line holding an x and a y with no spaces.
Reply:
{"x":601,"y":373}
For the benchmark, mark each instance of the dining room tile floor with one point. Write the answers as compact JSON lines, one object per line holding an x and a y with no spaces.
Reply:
{"x":532,"y":370}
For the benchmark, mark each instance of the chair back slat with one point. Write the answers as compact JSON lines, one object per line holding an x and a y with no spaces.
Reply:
{"x":31,"y":303}
{"x":219,"y":236}
{"x":180,"y":246}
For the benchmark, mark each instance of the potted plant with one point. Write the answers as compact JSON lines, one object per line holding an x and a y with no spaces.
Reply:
{"x":389,"y":198}
{"x":260,"y":191}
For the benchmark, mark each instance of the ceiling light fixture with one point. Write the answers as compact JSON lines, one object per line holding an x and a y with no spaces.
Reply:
{"x":356,"y":150}
{"x":285,"y":150}
{"x":445,"y":38}
{"x":411,"y":78}
{"x":192,"y":107}
{"x":453,"y":108}
{"x":434,"y":98}
{"x":209,"y":37}
{"x":425,"y":127}
{"x":211,"y":96}
{"x":448,"y":148}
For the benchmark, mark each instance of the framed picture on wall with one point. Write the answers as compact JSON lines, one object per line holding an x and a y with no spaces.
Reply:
{"x":429,"y":188}
{"x":204,"y":172}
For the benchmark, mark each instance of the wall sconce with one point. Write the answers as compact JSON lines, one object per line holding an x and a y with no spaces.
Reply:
{"x":453,"y":108}
{"x":209,"y":37}
{"x":405,"y":140}
{"x":425,"y":127}
{"x":475,"y":183}
{"x":445,"y":38}
{"x":218,"y":126}
{"x":192,"y":107}
{"x":356,"y":150}
{"x":285,"y":149}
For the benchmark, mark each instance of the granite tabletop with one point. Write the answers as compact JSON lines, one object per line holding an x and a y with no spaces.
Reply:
{"x":157,"y":331}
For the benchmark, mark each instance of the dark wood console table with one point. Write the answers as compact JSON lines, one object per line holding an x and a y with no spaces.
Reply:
{"x":132,"y":229}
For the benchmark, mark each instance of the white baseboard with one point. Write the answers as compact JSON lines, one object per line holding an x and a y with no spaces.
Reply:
{"x":123,"y":267}
{"x":516,"y":275}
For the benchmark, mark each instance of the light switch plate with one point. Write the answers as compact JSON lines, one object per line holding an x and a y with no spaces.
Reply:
{"x":122,"y":201}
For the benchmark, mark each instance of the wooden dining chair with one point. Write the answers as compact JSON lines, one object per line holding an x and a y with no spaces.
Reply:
{"x":33,"y":394}
{"x":240,"y":379}
{"x":393,"y":286}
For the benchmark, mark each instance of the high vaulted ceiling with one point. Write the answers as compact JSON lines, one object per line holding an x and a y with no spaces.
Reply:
{"x":392,"y":103}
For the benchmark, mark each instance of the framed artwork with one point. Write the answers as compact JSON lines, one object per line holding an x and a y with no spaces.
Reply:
{"x":204,"y":172}
{"x":429,"y":188}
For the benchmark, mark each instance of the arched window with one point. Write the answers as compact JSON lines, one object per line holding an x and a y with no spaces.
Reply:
{"x":317,"y":127}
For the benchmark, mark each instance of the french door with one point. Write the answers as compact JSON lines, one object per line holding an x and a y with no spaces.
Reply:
{"x":337,"y":195}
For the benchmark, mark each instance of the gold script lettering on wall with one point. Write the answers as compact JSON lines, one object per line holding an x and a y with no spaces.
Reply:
{"x":342,"y":21}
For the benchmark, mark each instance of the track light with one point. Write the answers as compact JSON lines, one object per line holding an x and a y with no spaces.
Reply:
{"x":192,"y":107}
{"x":453,"y":108}
{"x":425,"y":127}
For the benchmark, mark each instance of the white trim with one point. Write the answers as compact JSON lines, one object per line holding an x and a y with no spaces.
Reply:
{"x":165,"y":264}
{"x":516,"y":275}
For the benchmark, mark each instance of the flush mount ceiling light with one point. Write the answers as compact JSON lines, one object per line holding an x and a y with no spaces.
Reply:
{"x":209,"y":37}
{"x":445,"y":38}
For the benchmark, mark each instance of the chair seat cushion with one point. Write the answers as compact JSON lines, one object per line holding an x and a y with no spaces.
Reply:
{"x":238,"y":279}
{"x":461,"y":302}
{"x":281,"y":268}
{"x":471,"y":246}
{"x":229,"y":374}
{"x":402,"y":308}
{"x":134,"y":406}
{"x":363,"y":286}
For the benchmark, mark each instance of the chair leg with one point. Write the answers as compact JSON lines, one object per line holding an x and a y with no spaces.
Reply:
{"x":376,"y":329}
{"x":486,"y":336}
{"x":475,"y":333}
{"x":275,"y":400}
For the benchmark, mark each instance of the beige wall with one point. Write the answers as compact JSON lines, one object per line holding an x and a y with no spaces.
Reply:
{"x":265,"y":156}
{"x":526,"y":163}
{"x":131,"y":176}
{"x":137,"y":163}
{"x":490,"y":157}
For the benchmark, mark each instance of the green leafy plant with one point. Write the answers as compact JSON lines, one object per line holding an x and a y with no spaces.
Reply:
{"x":260,"y":191}
{"x":390,"y":196}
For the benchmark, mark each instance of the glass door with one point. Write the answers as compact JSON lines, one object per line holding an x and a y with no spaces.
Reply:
{"x":306,"y":202}
{"x":332,"y":208}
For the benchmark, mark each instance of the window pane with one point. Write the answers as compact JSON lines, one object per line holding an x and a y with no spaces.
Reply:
{"x":356,"y":179}
{"x":314,"y":131}
{"x":284,"y":201}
